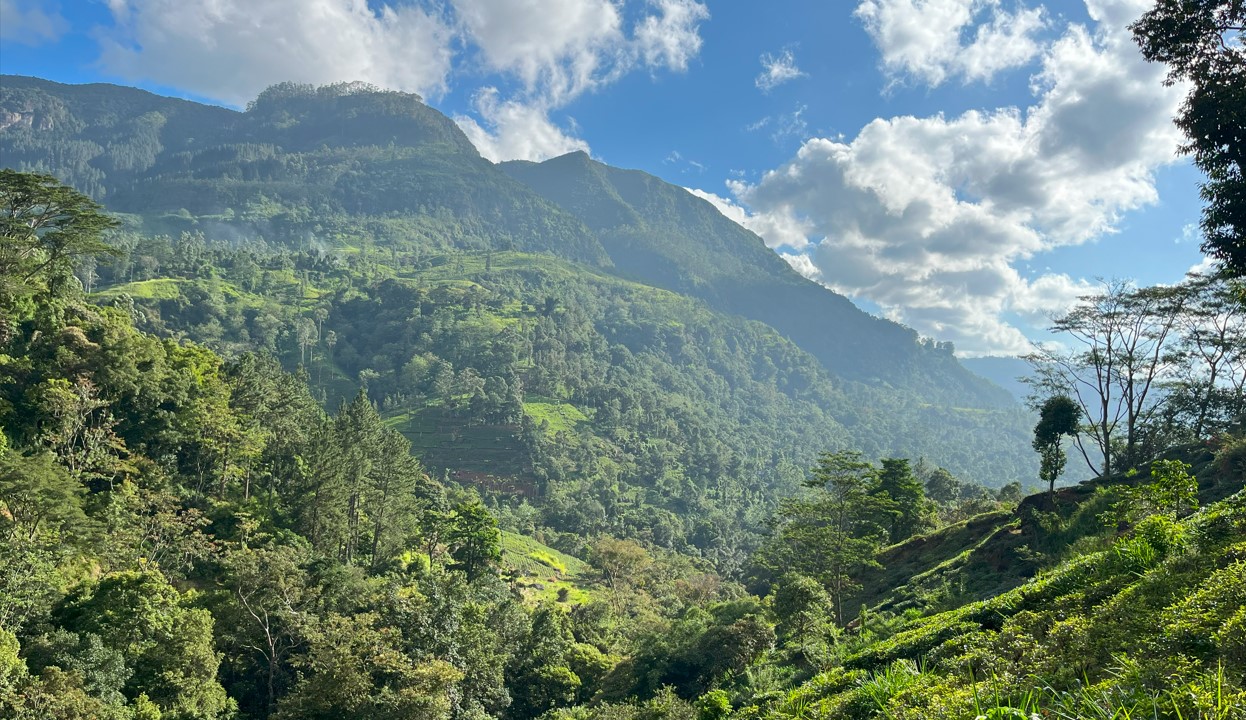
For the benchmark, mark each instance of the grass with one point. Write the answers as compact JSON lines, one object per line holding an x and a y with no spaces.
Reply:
{"x":542,"y":573}
{"x":159,"y":289}
{"x":559,"y":417}
{"x":173,"y":288}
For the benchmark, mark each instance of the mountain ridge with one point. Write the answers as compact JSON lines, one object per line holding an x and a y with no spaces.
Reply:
{"x":420,"y":162}
{"x":389,"y":187}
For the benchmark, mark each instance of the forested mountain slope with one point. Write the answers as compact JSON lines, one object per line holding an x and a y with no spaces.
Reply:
{"x":340,"y":164}
{"x":358,"y":233}
{"x":330,"y":167}
{"x":610,"y":405}
{"x":663,"y":235}
{"x":185,"y":536}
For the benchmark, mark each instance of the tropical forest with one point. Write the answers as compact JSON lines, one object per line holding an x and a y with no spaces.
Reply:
{"x":314,"y":407}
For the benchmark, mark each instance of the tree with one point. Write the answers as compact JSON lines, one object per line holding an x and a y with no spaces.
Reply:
{"x":1118,"y":357}
{"x":620,"y":561}
{"x":1201,"y":41}
{"x":167,"y":643}
{"x":800,"y":605}
{"x":269,"y":598}
{"x":833,"y":535}
{"x":1207,"y":391}
{"x":474,"y":540}
{"x":1058,"y":417}
{"x":1172,"y":492}
{"x":910,"y":511}
{"x":540,"y":678}
{"x":37,"y":496}
{"x":354,"y":669}
{"x":45,"y":228}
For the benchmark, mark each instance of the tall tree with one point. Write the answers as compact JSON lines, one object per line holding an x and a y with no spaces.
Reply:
{"x":910,"y":510}
{"x":1202,"y":42}
{"x":1119,"y":338}
{"x":45,"y":228}
{"x":474,"y":540}
{"x":833,"y":535}
{"x":1207,"y":391}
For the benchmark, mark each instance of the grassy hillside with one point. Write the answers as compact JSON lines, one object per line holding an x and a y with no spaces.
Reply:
{"x":544,"y":574}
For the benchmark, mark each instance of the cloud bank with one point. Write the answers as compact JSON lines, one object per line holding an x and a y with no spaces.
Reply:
{"x":230,"y":50}
{"x":934,"y":40}
{"x":927,"y":217}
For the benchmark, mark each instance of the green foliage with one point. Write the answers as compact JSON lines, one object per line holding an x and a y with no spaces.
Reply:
{"x":45,"y":228}
{"x":167,"y":643}
{"x":353,"y":669}
{"x":188,"y":536}
{"x":1201,"y":42}
{"x":38,"y":498}
{"x":474,"y":540}
{"x":1059,"y":416}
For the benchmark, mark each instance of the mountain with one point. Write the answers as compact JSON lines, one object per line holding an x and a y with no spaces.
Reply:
{"x":662,"y":235}
{"x":1005,"y":372}
{"x":563,"y":472}
{"x":514,"y":320}
{"x":348,"y":151}
{"x":335,"y":164}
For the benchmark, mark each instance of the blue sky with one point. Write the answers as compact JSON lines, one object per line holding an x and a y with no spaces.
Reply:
{"x":963,"y":166}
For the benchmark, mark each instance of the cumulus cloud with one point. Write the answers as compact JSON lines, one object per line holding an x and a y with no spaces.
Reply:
{"x":29,"y":24}
{"x":557,"y":47}
{"x":933,"y":40}
{"x":232,"y":49}
{"x":776,"y":70}
{"x":516,"y":131}
{"x":670,"y":37}
{"x":561,"y":49}
{"x":554,"y":50}
{"x":926,"y":216}
{"x":778,"y":228}
{"x":803,"y":265}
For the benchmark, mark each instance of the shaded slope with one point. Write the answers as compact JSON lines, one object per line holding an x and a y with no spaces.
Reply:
{"x":663,"y":235}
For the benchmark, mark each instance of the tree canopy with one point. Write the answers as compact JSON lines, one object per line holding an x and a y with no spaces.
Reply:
{"x":1201,"y":41}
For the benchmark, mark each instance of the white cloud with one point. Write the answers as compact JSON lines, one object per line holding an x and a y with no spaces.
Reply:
{"x":787,"y":125}
{"x":776,"y":228}
{"x":1047,"y":294}
{"x":672,"y":37}
{"x":29,"y":24}
{"x":561,"y":49}
{"x":933,"y":40}
{"x":776,"y":70}
{"x":516,"y":131}
{"x":1206,"y":266}
{"x":558,"y":48}
{"x":803,"y":265}
{"x":232,"y":49}
{"x":926,"y":216}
